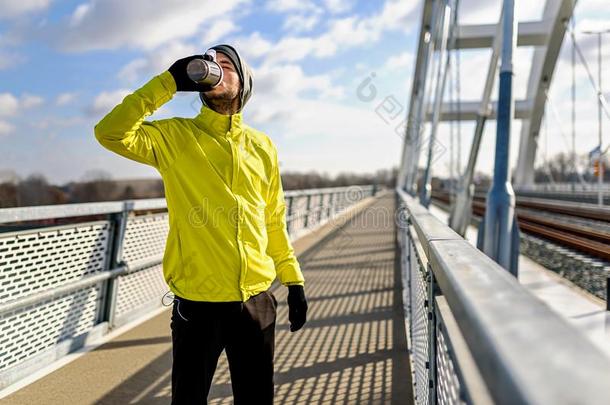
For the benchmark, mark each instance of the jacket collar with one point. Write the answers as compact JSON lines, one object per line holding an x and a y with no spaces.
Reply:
{"x":216,"y":124}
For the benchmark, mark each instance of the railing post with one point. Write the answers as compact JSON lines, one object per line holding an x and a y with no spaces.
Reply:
{"x":432,"y":293}
{"x":336,"y":202}
{"x":116,"y":259}
{"x":608,"y":290}
{"x":330,"y":210}
{"x":406,"y":246}
{"x":289,"y":218}
{"x":320,"y":207}
{"x":307,"y":209}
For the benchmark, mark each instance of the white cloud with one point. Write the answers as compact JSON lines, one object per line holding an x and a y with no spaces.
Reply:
{"x":79,"y":14}
{"x":6,"y":128}
{"x":590,"y":24}
{"x":253,"y":46}
{"x":217,"y":31}
{"x":106,"y":100}
{"x":301,"y":16}
{"x":396,"y":14}
{"x":156,"y":61}
{"x":289,"y":81}
{"x":16,"y":8}
{"x":281,"y":6}
{"x":588,"y":43}
{"x":292,"y":49}
{"x":9,"y":105}
{"x":54,"y":122}
{"x":10,"y":59}
{"x":131,"y":72}
{"x":325,"y":135}
{"x":290,"y":103}
{"x":338,"y":6}
{"x":65,"y":98}
{"x":300,"y":23}
{"x":279,"y":89}
{"x":30,"y":101}
{"x":143,"y":24}
{"x":399,"y":61}
{"x":343,"y":33}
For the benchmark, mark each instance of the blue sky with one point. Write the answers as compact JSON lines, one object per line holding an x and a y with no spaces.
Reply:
{"x":64,"y":64}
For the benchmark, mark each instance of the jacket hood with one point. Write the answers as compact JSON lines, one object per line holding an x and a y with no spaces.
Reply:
{"x":243,"y":70}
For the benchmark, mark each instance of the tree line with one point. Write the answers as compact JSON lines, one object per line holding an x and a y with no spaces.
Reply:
{"x":98,"y":185}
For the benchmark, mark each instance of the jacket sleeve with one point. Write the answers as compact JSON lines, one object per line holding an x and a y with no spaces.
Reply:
{"x":124,"y":131}
{"x":279,"y":247}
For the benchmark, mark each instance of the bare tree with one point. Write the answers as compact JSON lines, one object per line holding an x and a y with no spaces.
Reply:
{"x":96,"y":185}
{"x":8,"y":188}
{"x":35,"y":190}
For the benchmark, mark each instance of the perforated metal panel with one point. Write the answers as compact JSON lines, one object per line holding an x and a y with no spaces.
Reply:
{"x":29,"y":331}
{"x":33,"y":261}
{"x":145,"y":237}
{"x":448,"y":387}
{"x":322,"y":207}
{"x":406,"y":275}
{"x":419,"y":325}
{"x":142,"y":288}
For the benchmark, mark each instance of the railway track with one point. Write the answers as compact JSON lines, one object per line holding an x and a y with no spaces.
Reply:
{"x":581,"y":237}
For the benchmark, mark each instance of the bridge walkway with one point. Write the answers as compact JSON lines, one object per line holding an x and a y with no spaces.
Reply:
{"x":352,"y":349}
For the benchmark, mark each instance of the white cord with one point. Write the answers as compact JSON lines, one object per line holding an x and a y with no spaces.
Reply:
{"x":174,"y":300}
{"x":178,"y":309}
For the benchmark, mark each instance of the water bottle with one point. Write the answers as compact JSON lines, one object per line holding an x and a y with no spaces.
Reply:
{"x":205,"y":71}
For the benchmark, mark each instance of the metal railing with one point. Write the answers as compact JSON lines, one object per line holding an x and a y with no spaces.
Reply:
{"x":476,"y":336}
{"x":313,"y":207}
{"x":570,"y":187}
{"x":63,"y":284}
{"x":582,"y":192}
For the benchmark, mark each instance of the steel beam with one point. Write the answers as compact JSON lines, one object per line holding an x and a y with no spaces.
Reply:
{"x":541,"y":74}
{"x":461,"y":211}
{"x":441,"y":79}
{"x":408,"y":165}
{"x":531,"y":33}
{"x":499,"y":224}
{"x":470,"y":110}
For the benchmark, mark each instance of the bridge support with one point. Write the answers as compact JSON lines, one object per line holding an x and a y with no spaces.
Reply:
{"x":499,"y":226}
{"x":461,"y":211}
{"x":415,"y":119}
{"x":445,"y":23}
{"x":557,"y":13}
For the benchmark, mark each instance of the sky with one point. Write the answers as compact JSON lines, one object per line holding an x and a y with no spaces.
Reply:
{"x":65,"y":64}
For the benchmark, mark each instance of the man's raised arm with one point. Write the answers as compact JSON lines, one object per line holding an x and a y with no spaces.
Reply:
{"x":124,"y":131}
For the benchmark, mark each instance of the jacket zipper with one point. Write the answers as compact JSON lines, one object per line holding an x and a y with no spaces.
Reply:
{"x":243,"y":264}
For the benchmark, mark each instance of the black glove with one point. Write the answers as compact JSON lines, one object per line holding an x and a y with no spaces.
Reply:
{"x":297,"y":307}
{"x":183,"y":81}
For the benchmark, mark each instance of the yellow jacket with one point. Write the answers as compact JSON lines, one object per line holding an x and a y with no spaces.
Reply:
{"x":227,"y":238}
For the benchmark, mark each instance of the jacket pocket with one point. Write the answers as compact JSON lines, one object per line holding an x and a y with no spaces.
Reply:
{"x":173,"y":266}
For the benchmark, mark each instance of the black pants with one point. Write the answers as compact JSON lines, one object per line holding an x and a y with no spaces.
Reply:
{"x":246,"y":331}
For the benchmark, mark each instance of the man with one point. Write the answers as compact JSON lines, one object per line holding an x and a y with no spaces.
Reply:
{"x":227,"y":239}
